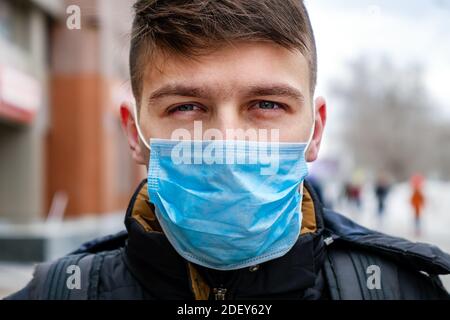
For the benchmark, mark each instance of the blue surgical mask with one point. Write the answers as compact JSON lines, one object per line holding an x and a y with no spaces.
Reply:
{"x":228,"y":204}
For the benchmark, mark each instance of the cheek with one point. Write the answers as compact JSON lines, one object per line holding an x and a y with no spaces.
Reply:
{"x":155,"y":127}
{"x":295,"y":130}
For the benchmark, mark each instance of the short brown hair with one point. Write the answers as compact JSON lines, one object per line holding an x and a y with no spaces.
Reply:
{"x":191,"y":28}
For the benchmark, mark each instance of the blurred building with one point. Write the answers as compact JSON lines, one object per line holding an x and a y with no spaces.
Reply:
{"x":60,"y":90}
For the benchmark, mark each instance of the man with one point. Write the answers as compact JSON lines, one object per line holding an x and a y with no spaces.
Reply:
{"x":233,"y":75}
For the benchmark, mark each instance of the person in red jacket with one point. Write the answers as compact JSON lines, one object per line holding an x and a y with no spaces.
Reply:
{"x":417,"y":201}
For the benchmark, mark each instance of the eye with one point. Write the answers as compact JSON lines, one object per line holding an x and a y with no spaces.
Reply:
{"x":185,"y":108}
{"x":268,"y":105}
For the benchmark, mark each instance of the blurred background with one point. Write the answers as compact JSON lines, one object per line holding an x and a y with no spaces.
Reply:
{"x":65,"y":171}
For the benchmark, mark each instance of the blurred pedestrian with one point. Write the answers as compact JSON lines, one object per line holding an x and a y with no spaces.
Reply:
{"x":353,"y":190}
{"x":353,"y":194}
{"x":417,"y":201}
{"x":382,"y":187}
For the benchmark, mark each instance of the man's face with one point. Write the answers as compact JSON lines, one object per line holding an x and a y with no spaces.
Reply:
{"x":241,"y":87}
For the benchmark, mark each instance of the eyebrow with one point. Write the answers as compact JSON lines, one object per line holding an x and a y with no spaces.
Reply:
{"x":275,"y":90}
{"x":205,"y":92}
{"x":179,"y":90}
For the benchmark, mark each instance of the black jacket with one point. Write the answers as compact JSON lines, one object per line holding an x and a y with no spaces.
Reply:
{"x":335,"y":261}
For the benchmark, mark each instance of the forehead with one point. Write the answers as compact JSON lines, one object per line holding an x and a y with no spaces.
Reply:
{"x":230,"y":68}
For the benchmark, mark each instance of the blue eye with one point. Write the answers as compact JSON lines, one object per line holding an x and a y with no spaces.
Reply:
{"x":268,"y":105}
{"x":185,"y":107}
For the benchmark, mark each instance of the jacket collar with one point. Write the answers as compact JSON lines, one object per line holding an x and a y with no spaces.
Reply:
{"x":157,"y":265}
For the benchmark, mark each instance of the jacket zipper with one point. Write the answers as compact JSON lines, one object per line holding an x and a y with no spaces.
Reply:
{"x":219,"y":293}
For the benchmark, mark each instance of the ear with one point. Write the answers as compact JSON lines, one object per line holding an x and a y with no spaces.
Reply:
{"x":130,"y":130}
{"x":320,"y":108}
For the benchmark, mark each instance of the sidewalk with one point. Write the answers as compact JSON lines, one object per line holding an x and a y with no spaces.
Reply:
{"x":60,"y":239}
{"x":398,"y":217}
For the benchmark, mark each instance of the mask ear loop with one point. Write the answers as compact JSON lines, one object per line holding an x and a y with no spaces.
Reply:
{"x":311,"y":135}
{"x":138,"y":127}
